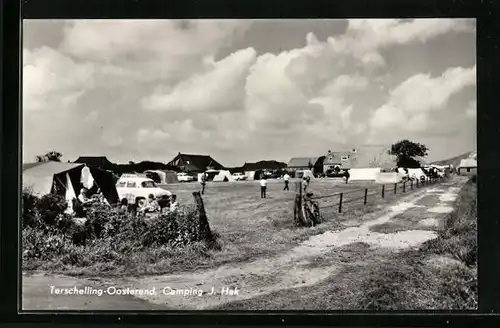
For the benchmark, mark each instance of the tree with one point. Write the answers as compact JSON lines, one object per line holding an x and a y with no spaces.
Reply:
{"x":53,"y":155}
{"x":406,"y":151}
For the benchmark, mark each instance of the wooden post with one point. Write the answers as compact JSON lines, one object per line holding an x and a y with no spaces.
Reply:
{"x":366,"y":195}
{"x":404,"y":186}
{"x":395,"y":188}
{"x":340,"y":202}
{"x":411,"y":184}
{"x":383,"y":191}
{"x":417,"y":182}
{"x":205,"y":232}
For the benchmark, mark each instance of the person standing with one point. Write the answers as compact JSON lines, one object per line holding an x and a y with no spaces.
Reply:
{"x":286,"y":178}
{"x":203,"y":182}
{"x":347,"y":175}
{"x":263,"y":187}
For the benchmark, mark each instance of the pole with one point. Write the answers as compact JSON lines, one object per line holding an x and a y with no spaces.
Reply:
{"x":404,"y":186}
{"x":340,"y":202}
{"x":366,"y":195}
{"x":395,"y":188}
{"x":383,"y":191}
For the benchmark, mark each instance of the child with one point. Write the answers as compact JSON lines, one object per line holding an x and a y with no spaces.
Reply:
{"x":263,"y":187}
{"x":173,"y":204}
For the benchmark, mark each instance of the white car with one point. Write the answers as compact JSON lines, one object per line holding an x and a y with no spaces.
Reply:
{"x":239,"y":176}
{"x":136,"y":189}
{"x":184,"y":177}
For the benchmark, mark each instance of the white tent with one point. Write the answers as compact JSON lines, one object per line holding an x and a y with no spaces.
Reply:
{"x":223,"y":175}
{"x":304,"y":174}
{"x":364,"y":174}
{"x":250,"y":175}
{"x":389,"y":177}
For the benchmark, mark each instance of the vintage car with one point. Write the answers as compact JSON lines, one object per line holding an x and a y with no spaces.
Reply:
{"x":136,"y":189}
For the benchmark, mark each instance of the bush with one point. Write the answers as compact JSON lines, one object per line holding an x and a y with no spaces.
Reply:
{"x":50,"y":207}
{"x":30,"y":215}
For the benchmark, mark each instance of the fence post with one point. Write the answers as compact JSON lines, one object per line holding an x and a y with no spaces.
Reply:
{"x":383,"y":191}
{"x":417,"y":181}
{"x":340,"y":202}
{"x":395,"y":188}
{"x":366,"y":195}
{"x":411,"y":184}
{"x":404,"y":186}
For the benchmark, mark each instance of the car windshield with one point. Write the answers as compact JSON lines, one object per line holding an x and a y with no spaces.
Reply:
{"x":148,"y":184}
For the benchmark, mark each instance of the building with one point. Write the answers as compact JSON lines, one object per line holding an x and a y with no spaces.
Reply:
{"x":366,"y":162}
{"x":195,"y":163}
{"x":315,"y":164}
{"x":468,"y":167}
{"x":336,"y":159}
{"x":100,"y":162}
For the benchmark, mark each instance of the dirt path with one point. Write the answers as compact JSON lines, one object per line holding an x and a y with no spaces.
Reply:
{"x":412,"y":221}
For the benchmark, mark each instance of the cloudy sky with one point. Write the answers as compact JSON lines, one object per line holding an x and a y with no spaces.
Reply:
{"x":246,"y":90}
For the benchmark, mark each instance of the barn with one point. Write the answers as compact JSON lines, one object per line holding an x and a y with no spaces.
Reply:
{"x":367,"y":162}
{"x":468,"y":167}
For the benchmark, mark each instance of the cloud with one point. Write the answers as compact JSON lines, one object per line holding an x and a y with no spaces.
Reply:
{"x":471,"y":111}
{"x":154,"y":88}
{"x":411,"y":102}
{"x":220,"y":88}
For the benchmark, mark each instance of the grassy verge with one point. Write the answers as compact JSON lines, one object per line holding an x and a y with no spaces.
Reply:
{"x":442,"y":274}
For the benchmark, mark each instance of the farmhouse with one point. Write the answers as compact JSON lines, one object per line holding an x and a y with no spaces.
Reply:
{"x":336,"y":159}
{"x":366,"y":162}
{"x":195,"y":163}
{"x":306,"y":163}
{"x":468,"y":167}
{"x":100,"y":162}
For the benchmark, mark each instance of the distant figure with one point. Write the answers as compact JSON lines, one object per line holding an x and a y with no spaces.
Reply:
{"x":347,"y":176}
{"x":203,"y":182}
{"x":174,"y":205}
{"x":263,"y":187}
{"x":305,"y":183}
{"x":286,"y":178}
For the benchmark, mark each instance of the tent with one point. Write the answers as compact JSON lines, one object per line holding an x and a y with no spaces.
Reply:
{"x":223,"y":175}
{"x":57,"y":178}
{"x":250,"y":175}
{"x":162,"y":177}
{"x":389,"y":177}
{"x":364,"y":174}
{"x":303,"y":174}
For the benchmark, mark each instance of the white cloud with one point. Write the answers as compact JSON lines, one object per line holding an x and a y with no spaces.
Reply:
{"x":220,"y":88}
{"x":414,"y":98}
{"x":146,"y":135}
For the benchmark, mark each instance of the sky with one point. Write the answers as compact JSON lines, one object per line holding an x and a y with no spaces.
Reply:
{"x":246,"y":90}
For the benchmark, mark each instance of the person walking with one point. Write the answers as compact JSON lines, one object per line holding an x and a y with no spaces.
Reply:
{"x":263,"y":187}
{"x":203,"y":182}
{"x":347,"y":175}
{"x":286,"y":178}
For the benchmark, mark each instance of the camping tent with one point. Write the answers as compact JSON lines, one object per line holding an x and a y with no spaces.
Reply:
{"x":223,"y":175}
{"x":389,"y":177}
{"x":52,"y":178}
{"x":363,"y":174}
{"x":162,"y":177}
{"x":250,"y":175}
{"x":304,"y":174}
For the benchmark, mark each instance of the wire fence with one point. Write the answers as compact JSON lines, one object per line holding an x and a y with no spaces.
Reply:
{"x":338,"y":201}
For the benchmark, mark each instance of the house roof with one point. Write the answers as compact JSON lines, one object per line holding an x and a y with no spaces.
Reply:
{"x":372,"y":157}
{"x":39,"y":177}
{"x":95,"y":161}
{"x":195,"y":162}
{"x":302,"y":161}
{"x":262,"y":165}
{"x":468,"y":162}
{"x":334,"y":157}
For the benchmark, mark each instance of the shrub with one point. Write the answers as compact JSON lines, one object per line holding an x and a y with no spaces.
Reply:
{"x":50,"y":207}
{"x":30,"y":216}
{"x":38,"y":244}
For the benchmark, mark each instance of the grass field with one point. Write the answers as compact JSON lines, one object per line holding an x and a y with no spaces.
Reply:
{"x":249,"y":227}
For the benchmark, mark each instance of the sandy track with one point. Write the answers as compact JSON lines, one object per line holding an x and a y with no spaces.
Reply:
{"x":291,"y":270}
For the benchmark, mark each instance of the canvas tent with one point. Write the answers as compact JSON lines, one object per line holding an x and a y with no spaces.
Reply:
{"x":304,"y":174}
{"x":162,"y":177}
{"x":223,"y":175}
{"x":58,"y":178}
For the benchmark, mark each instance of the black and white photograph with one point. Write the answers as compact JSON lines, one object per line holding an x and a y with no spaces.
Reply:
{"x":249,"y":164}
